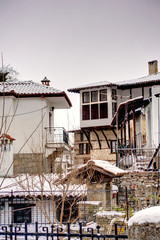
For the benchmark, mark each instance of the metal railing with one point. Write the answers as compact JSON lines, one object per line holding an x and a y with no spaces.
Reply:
{"x":137,"y":158}
{"x":54,"y":232}
{"x":56,"y":135}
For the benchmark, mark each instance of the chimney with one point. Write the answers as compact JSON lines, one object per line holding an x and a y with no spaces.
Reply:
{"x":45,"y":81}
{"x":153,"y":67}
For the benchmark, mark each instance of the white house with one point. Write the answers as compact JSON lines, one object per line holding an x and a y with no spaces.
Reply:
{"x":27,"y":115}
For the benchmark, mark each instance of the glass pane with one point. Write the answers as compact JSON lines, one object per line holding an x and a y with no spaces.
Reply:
{"x":85,"y":97}
{"x":85,"y":112}
{"x":94,"y":96}
{"x":94,"y":111}
{"x":104,"y":110}
{"x":114,"y":108}
{"x":103,"y":95}
{"x":114,"y":94}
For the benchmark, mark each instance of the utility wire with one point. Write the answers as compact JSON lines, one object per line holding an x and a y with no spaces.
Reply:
{"x":20,"y":114}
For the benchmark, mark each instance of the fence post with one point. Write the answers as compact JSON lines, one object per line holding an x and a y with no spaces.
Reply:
{"x":127,"y":204}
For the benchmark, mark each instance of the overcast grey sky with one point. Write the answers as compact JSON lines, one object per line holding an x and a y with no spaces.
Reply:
{"x":75,"y":42}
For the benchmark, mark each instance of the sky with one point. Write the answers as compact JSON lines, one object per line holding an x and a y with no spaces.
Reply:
{"x":75,"y":42}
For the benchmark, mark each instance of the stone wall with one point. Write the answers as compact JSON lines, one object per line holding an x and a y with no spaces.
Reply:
{"x":95,"y":153}
{"x":87,"y":210}
{"x":142,"y":188}
{"x":107,"y":219}
{"x":31,"y":163}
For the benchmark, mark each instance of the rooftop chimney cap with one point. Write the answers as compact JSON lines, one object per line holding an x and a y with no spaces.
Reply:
{"x":45,"y":81}
{"x":153,"y":67}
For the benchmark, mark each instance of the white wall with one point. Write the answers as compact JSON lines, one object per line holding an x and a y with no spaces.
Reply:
{"x":23,"y":117}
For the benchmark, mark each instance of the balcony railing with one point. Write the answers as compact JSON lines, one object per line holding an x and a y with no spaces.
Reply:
{"x":56,"y":135}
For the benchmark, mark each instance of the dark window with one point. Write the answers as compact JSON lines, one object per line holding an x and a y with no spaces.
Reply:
{"x":114,"y":94}
{"x":89,"y":135}
{"x":87,"y":148}
{"x":85,"y":97}
{"x":103,"y":95}
{"x":94,"y":111}
{"x":114,"y":108}
{"x":143,"y":91}
{"x":81,"y":137}
{"x":81,"y":148}
{"x":130,"y":93}
{"x":104,"y":110}
{"x":85,"y":112}
{"x":150,"y":92}
{"x":113,"y":146}
{"x":94,"y":96}
{"x":22,"y":213}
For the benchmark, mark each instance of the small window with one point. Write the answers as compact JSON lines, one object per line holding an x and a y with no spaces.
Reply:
{"x":130,"y":93}
{"x":85,"y":97}
{"x":150,"y":92}
{"x":81,"y":148}
{"x":113,"y":146}
{"x":142,"y":91}
{"x":94,"y":96}
{"x":87,"y":148}
{"x":103,"y":95}
{"x":22,"y":213}
{"x":104,"y":110}
{"x":85,"y":112}
{"x":94,"y":111}
{"x":114,"y":108}
{"x":81,"y":137}
{"x":114,"y":94}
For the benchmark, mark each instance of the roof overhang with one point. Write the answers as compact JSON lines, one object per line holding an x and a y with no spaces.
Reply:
{"x":131,"y":104}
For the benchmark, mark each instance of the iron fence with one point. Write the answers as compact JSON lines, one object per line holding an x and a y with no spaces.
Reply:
{"x":55,"y":232}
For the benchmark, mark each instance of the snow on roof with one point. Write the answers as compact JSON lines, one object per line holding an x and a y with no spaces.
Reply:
{"x":35,"y":185}
{"x":147,"y":215}
{"x":153,"y":78}
{"x":91,"y":85}
{"x":27,"y":87}
{"x":147,"y":79}
{"x":106,"y":166}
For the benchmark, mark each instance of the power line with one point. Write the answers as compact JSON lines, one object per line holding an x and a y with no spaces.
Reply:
{"x":20,"y":114}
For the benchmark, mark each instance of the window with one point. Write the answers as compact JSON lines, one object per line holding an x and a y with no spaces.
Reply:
{"x":150,"y":92}
{"x":104,"y":110}
{"x":94,"y":111}
{"x":81,"y":137}
{"x":94,"y":96}
{"x":22,"y":213}
{"x":85,"y":112}
{"x":103,"y":95}
{"x":114,"y":94}
{"x":114,"y":108}
{"x":143,"y":91}
{"x":81,"y":148}
{"x":85,"y":97}
{"x":130,"y":93}
{"x":87,"y":148}
{"x":113,"y":146}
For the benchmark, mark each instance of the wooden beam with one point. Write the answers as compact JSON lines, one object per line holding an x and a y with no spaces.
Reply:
{"x":97,"y":138}
{"x":106,"y":139}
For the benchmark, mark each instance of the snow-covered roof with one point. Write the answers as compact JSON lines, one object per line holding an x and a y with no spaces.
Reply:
{"x":150,"y":79}
{"x":145,"y":216}
{"x":107,"y":167}
{"x":91,"y":85}
{"x":147,"y":79}
{"x":102,"y":166}
{"x":30,"y":88}
{"x":35,"y":185}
